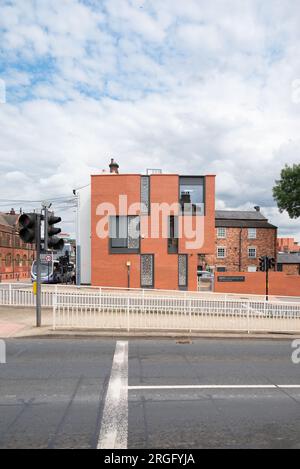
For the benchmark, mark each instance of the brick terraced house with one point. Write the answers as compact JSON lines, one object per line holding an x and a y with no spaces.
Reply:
{"x":241,"y":238}
{"x":15,"y":257}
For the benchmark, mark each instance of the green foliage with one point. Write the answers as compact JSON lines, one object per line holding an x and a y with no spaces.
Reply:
{"x":286,"y":192}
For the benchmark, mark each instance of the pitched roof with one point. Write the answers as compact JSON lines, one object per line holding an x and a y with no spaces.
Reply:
{"x":239,"y":215}
{"x":8,"y":219}
{"x":241,"y":219}
{"x":283,"y":258}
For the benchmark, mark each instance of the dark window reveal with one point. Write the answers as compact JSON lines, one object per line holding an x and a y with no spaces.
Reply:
{"x":173,"y":235}
{"x":191,"y":191}
{"x":124,"y":234}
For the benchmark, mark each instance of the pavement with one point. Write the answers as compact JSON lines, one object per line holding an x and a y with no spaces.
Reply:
{"x":168,"y":394}
{"x":20,"y":322}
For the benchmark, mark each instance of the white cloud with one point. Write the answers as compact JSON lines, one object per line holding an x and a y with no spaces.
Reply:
{"x":191,"y":86}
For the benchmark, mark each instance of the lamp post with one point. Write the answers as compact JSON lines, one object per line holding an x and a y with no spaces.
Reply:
{"x":128,"y":264}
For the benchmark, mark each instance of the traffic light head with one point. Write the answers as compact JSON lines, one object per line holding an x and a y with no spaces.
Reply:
{"x":263,"y":264}
{"x":51,"y":240}
{"x":272,"y":263}
{"x":27,"y":227}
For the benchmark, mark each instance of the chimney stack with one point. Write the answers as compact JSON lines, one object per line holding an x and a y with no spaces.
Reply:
{"x":113,"y":167}
{"x":257,"y":208}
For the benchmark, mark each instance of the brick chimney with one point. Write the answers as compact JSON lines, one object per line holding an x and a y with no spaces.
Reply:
{"x":113,"y":167}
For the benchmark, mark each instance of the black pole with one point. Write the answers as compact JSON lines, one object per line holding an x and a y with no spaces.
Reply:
{"x":38,"y":271}
{"x":267,"y":283}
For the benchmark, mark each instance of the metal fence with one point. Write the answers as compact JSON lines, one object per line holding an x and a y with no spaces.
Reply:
{"x":136,"y":309}
{"x":124,"y":311}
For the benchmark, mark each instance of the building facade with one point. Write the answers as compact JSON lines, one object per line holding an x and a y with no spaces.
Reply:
{"x":287,"y":245}
{"x":241,"y":238}
{"x":15,"y":257}
{"x":147,"y":231}
{"x":289,"y":263}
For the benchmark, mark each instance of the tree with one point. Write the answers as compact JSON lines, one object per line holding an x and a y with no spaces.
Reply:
{"x":286,"y":192}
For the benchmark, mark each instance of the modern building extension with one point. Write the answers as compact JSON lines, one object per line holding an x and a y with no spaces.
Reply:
{"x":148,"y":231}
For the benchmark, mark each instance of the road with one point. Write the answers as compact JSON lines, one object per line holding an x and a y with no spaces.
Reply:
{"x":55,"y":393}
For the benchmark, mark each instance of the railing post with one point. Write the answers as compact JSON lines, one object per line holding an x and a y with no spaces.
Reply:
{"x":248,"y":316}
{"x":190,"y":312}
{"x":10,"y":294}
{"x":54,"y":309}
{"x":128,"y":313}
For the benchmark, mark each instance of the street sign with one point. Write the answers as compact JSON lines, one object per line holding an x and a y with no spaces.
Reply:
{"x":232,"y":278}
{"x":45,"y":258}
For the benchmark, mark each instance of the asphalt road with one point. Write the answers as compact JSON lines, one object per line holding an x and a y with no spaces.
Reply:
{"x":54,"y":394}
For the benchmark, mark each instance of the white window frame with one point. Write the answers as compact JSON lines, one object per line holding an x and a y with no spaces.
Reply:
{"x":252,"y":233}
{"x":252,"y":248}
{"x":223,"y":230}
{"x":221,"y":247}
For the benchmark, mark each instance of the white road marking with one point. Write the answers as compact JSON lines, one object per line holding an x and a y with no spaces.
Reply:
{"x":114,"y":426}
{"x":219,"y":386}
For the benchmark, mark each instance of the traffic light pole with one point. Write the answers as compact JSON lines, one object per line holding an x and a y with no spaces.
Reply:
{"x":38,"y":272}
{"x":267,"y":283}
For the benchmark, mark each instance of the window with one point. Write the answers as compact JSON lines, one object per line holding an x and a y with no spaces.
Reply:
{"x":221,"y":233}
{"x":279,"y":267}
{"x":145,"y":195}
{"x":18,"y":260}
{"x":251,"y":233}
{"x":221,"y":252}
{"x":147,"y":271}
{"x":192,"y":195}
{"x":221,"y":269}
{"x":173,"y":235}
{"x":8,"y":260}
{"x":124,"y":234}
{"x":252,"y":253}
{"x":182,"y":271}
{"x":252,"y":268}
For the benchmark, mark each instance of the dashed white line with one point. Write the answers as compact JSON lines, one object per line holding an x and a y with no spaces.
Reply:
{"x":114,"y":427}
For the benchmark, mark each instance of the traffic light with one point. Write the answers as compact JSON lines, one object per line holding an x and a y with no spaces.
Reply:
{"x":271,"y":262}
{"x":51,"y":240}
{"x":263,"y":264}
{"x":28,"y":227}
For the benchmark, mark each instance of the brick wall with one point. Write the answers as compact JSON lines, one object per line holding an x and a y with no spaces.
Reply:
{"x":291,"y":269}
{"x":280,"y":284}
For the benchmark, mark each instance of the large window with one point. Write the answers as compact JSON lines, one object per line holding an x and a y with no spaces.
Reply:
{"x":192,"y":194}
{"x":147,"y":271}
{"x":124,"y":234}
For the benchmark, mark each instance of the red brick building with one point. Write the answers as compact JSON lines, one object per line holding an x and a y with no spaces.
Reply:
{"x":289,"y":263}
{"x":152,"y":258}
{"x":241,"y":238}
{"x":15,"y":257}
{"x":287,"y":245}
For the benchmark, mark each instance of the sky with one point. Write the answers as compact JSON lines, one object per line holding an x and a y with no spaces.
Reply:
{"x":192,"y":87}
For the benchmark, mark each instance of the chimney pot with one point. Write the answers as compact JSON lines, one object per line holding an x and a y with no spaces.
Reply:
{"x":113,"y":167}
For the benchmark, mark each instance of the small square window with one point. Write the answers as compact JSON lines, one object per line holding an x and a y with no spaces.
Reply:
{"x":221,"y":233}
{"x":221,"y":252}
{"x":252,"y":253}
{"x":251,"y":233}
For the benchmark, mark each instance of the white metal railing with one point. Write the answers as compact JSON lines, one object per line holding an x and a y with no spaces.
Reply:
{"x":145,"y":311}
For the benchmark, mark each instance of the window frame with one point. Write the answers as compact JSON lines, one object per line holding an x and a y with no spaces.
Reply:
{"x":193,"y":182}
{"x":225,"y":232}
{"x":225,"y":252}
{"x":253,"y":230}
{"x":125,"y":249}
{"x":253,"y":248}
